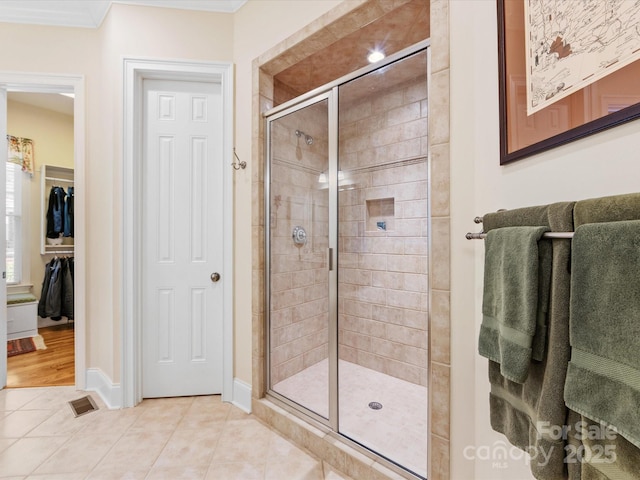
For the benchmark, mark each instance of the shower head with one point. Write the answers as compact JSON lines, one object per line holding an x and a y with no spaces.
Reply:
{"x":307,"y":138}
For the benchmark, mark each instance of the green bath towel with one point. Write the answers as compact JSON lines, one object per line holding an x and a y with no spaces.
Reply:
{"x":603,"y":378}
{"x":607,"y":209}
{"x":516,"y":288}
{"x":525,"y":412}
{"x":599,"y":453}
{"x":627,"y":455}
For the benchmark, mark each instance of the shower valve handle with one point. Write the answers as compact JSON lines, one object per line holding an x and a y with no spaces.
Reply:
{"x":299,"y":236}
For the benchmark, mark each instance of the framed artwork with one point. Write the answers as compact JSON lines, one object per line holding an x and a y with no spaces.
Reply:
{"x":567,"y":70}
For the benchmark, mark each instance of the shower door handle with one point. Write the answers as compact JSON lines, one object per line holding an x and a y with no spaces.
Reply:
{"x":330,"y":259}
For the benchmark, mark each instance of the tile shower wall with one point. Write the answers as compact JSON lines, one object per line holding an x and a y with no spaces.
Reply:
{"x":299,"y":306}
{"x":383,"y":229}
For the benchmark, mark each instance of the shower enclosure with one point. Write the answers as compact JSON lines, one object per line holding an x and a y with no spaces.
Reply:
{"x":347,"y":242}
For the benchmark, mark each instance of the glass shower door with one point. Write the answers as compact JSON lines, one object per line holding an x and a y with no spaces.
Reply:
{"x":383,"y":264}
{"x":347,"y":270}
{"x":298,"y":243}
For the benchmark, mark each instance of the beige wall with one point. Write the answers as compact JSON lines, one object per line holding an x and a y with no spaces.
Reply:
{"x":52,"y":133}
{"x":602,"y":164}
{"x":97,"y":54}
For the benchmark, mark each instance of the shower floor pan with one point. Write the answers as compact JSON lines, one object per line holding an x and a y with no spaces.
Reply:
{"x":397,"y":431}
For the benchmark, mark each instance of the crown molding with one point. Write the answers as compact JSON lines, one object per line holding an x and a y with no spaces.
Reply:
{"x":81,"y":13}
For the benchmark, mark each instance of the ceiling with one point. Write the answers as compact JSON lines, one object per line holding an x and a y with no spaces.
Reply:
{"x":91,"y":13}
{"x":399,"y":28}
{"x":49,"y":101}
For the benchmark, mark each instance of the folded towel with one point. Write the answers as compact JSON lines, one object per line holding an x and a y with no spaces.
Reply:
{"x":518,"y":217}
{"x":521,"y":411}
{"x":516,"y":285}
{"x":603,"y":378}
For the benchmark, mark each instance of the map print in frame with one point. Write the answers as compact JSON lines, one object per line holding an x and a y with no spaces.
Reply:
{"x":573,"y":43}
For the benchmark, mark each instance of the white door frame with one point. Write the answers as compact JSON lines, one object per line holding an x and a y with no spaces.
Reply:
{"x":50,"y":83}
{"x":135,"y":71}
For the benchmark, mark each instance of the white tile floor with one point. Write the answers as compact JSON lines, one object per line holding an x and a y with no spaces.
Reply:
{"x":178,"y":438}
{"x":398,"y":431}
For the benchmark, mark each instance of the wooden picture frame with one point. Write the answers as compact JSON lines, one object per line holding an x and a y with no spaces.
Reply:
{"x":603,"y":104}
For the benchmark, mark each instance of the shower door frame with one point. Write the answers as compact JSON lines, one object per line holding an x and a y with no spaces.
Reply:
{"x":330,"y":91}
{"x":331,"y":96}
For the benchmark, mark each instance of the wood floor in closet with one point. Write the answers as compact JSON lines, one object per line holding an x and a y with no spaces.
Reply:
{"x":45,"y":368}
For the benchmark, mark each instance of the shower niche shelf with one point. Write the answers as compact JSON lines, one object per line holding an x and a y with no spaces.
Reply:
{"x":380,"y":215}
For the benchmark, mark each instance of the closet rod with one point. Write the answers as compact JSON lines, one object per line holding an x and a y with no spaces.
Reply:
{"x":480,"y":236}
{"x":58,"y":179}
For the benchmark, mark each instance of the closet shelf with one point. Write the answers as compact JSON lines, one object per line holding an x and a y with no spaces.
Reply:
{"x":50,"y":176}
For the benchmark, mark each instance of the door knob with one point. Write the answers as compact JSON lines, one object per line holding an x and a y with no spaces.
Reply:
{"x":215,"y":276}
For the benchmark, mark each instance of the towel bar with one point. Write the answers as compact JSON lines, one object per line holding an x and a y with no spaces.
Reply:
{"x":481,"y":235}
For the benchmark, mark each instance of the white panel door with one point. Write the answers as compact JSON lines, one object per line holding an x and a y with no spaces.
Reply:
{"x":182,"y":239}
{"x":3,"y":244}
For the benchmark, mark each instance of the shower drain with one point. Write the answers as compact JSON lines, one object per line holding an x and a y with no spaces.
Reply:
{"x":375,"y":405}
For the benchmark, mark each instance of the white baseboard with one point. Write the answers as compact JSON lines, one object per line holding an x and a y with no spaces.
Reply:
{"x":241,"y":395}
{"x":47,"y":322}
{"x":110,"y":393}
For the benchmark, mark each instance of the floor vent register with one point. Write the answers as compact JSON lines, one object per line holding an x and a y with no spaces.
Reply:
{"x":83,"y":405}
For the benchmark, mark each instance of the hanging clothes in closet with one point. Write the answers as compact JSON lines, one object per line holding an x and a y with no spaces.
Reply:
{"x":67,"y":218}
{"x":56,"y":297}
{"x":60,"y":213}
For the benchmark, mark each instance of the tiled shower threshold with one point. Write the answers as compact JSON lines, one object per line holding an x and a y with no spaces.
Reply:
{"x":397,"y":431}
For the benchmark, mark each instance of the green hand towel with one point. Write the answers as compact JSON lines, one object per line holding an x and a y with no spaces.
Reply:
{"x":603,"y":378}
{"x":516,"y":286}
{"x":518,"y":217}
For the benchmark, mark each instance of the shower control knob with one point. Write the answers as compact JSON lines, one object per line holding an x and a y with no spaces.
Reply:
{"x":299,"y":236}
{"x":215,"y":276}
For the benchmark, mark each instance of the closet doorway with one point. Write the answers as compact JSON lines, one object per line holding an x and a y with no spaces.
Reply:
{"x":43,"y":115}
{"x":40,"y":240}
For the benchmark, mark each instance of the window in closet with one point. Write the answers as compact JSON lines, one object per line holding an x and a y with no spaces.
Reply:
{"x":14,"y":224}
